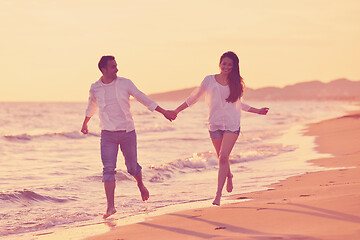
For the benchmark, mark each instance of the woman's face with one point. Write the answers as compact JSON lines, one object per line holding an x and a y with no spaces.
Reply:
{"x":226,"y":65}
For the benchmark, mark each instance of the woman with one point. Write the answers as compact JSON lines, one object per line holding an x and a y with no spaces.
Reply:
{"x":223,"y":96}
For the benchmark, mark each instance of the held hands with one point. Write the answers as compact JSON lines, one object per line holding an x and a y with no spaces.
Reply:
{"x":170,"y":115}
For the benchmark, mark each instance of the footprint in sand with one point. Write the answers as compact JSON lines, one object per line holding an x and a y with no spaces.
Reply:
{"x":242,"y":198}
{"x":218,"y":228}
{"x":261,"y":209}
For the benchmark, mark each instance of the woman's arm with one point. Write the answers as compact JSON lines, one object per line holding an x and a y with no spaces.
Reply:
{"x":181,"y":107}
{"x":247,"y":108}
{"x":262,"y":111}
{"x":195,"y":95}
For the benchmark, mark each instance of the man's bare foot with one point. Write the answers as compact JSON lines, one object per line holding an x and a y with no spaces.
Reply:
{"x":217,"y":200}
{"x":109,"y":212}
{"x":229,"y":183}
{"x":144,"y":192}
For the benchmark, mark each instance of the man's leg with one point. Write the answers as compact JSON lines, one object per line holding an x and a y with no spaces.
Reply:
{"x":109,"y":151}
{"x":110,"y":192}
{"x":128,"y":146}
{"x":143,"y":190}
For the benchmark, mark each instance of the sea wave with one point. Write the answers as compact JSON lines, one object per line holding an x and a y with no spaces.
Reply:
{"x":209,"y":160}
{"x":77,"y":134}
{"x":44,"y":222}
{"x":155,"y":128}
{"x":68,"y":135}
{"x":140,"y":112}
{"x":258,"y":136}
{"x":27,"y":195}
{"x":259,"y":152}
{"x":120,"y":176}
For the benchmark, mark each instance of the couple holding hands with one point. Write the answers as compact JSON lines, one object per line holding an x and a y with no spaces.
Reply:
{"x":111,"y":94}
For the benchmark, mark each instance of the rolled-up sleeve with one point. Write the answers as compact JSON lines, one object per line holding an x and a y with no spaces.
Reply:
{"x":92,"y":104}
{"x":141,"y":97}
{"x":196,"y":94}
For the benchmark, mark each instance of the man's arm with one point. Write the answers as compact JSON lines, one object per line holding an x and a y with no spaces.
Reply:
{"x":90,"y":111}
{"x":84,"y":128}
{"x":141,"y":97}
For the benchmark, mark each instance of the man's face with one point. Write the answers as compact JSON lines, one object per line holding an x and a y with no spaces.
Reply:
{"x":110,"y":70}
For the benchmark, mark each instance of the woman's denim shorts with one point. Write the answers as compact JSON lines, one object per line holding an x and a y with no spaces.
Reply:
{"x":220,"y":133}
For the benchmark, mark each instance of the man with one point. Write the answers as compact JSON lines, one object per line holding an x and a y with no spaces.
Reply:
{"x":111,"y":95}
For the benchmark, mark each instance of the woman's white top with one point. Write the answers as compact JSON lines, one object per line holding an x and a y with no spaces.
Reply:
{"x":223,"y":115}
{"x":113,"y":101}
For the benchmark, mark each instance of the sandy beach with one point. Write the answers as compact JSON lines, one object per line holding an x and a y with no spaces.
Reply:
{"x":320,"y":205}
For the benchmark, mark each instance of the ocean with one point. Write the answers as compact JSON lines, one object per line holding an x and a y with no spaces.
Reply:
{"x":50,"y":175}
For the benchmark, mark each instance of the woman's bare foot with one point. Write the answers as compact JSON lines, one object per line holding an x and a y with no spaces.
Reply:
{"x":109,"y":212}
{"x":229,"y":183}
{"x":217,"y":200}
{"x":144,"y":192}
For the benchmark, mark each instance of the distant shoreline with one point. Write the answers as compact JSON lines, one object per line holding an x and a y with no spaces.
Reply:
{"x":337,"y":90}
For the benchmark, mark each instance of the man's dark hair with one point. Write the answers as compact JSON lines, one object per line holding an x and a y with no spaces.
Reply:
{"x":104,"y":60}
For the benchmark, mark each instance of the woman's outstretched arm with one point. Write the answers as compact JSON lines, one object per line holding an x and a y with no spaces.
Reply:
{"x":194,"y":96}
{"x":247,"y":108}
{"x":262,"y":111}
{"x":181,"y":107}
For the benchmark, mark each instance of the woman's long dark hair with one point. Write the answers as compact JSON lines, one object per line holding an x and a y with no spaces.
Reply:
{"x":236,"y":83}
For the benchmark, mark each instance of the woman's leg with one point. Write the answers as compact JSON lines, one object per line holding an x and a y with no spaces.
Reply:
{"x":226,"y":145}
{"x":217,"y":145}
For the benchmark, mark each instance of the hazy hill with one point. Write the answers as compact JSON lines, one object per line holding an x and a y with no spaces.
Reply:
{"x":177,"y":95}
{"x":340,"y":89}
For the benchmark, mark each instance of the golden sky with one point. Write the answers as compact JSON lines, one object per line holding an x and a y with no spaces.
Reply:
{"x":50,"y":48}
